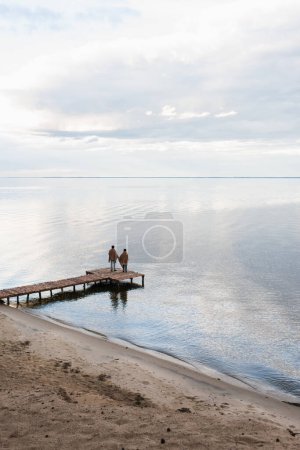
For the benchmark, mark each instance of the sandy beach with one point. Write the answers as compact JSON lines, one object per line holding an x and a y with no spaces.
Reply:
{"x":63,"y":388}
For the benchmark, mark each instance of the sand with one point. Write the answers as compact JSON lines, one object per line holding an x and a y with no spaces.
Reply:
{"x":66,"y":389}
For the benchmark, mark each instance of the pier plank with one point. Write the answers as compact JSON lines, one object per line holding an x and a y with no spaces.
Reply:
{"x":94,"y":275}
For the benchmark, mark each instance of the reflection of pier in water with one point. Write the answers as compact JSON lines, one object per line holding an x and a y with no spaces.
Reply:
{"x":118,"y":295}
{"x":97,"y":277}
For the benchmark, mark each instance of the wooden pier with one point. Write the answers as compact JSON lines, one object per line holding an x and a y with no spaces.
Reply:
{"x":91,"y":277}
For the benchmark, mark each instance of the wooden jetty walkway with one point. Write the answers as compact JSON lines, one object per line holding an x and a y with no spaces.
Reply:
{"x":91,"y":276}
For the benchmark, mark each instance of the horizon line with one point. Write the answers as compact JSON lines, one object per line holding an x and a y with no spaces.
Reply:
{"x":149,"y":177}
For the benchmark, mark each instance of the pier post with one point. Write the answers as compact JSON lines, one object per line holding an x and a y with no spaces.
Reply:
{"x":101,"y":277}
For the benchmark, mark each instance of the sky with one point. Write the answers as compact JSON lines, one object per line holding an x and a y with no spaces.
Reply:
{"x":150,"y":88}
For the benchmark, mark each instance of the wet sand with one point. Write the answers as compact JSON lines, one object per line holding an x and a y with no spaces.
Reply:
{"x":62,"y":388}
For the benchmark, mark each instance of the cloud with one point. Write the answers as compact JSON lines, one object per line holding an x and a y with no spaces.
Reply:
{"x":168,"y":111}
{"x":13,"y":15}
{"x":114,"y":14}
{"x":97,"y":156}
{"x":193,"y":115}
{"x":226,"y":114}
{"x":171,"y":113}
{"x":119,"y":70}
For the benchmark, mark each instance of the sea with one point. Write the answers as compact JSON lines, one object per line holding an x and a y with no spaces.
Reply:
{"x":221,"y":258}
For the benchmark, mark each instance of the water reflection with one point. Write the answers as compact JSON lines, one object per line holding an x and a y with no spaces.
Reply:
{"x":118,"y":297}
{"x":118,"y":294}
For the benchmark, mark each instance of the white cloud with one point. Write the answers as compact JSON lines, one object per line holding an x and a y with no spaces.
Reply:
{"x":226,"y":114}
{"x":193,"y":115}
{"x":168,"y":111}
{"x":97,"y":63}
{"x":97,"y":156}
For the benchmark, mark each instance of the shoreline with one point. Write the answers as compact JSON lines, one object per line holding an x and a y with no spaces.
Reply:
{"x":123,"y":343}
{"x":284,"y":397}
{"x":204,"y":370}
{"x":200,"y":409}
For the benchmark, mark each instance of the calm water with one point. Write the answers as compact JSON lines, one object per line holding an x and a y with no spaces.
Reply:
{"x":228,"y":296}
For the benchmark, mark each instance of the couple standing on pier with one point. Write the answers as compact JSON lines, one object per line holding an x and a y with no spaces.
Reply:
{"x":113,"y":257}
